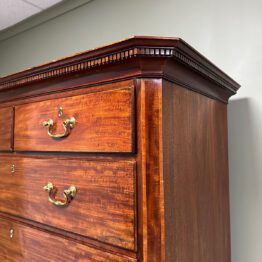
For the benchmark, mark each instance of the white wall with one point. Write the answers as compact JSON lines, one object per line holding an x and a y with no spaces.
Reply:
{"x":228,"y":32}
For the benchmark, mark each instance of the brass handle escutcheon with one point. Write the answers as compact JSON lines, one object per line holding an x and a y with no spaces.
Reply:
{"x":67,"y":124}
{"x":68,"y":194}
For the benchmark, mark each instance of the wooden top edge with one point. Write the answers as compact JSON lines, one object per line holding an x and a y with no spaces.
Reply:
{"x":136,"y":46}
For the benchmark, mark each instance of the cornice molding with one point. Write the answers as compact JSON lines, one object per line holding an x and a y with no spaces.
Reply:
{"x":190,"y":62}
{"x":95,"y":58}
{"x":90,"y":63}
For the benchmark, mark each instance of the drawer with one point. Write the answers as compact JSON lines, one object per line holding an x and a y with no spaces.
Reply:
{"x":102,"y":209}
{"x":6,"y":129}
{"x":93,"y":122}
{"x":26,"y":244}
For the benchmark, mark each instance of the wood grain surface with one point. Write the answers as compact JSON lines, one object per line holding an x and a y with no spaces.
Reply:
{"x":136,"y":47}
{"x":104,"y":123}
{"x":6,"y":129}
{"x":195,"y":177}
{"x":148,"y":156}
{"x":104,"y":208}
{"x":32,"y":245}
{"x":150,"y":181}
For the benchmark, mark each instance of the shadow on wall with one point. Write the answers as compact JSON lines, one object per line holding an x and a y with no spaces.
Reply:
{"x":245,"y":166}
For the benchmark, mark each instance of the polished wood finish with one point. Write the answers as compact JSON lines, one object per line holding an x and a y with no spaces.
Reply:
{"x":103,"y":209}
{"x":6,"y":129}
{"x":27,"y":245}
{"x":101,"y":126}
{"x":195,"y":177}
{"x":162,"y":49}
{"x":150,"y":166}
{"x":140,"y":56}
{"x":148,"y":155}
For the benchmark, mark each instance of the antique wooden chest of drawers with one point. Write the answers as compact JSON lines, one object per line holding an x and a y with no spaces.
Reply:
{"x":116,"y":154}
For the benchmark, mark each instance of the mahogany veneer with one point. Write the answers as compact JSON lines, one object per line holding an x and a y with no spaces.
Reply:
{"x":101,"y":126}
{"x":29,"y":244}
{"x":144,"y":157}
{"x":6,"y":129}
{"x":106,"y":194}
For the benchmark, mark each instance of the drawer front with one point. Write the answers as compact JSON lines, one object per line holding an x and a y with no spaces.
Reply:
{"x":25,"y":244}
{"x":103,"y":123}
{"x":6,"y":128}
{"x":102,"y":209}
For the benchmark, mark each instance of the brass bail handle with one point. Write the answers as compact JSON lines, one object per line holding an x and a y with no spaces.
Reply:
{"x":68,"y":125}
{"x":68,"y":195}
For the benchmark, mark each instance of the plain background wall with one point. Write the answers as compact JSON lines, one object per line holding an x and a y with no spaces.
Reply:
{"x":227,"y":32}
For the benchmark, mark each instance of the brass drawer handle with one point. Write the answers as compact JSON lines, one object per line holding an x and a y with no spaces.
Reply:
{"x":68,"y":194}
{"x":67,"y":124}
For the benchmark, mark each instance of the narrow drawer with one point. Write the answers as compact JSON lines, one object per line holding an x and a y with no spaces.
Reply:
{"x":93,"y":122}
{"x":19,"y":243}
{"x":103,"y":207}
{"x":6,"y":128}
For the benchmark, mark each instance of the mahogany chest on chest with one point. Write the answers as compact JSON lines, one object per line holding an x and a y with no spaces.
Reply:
{"x":116,"y":154}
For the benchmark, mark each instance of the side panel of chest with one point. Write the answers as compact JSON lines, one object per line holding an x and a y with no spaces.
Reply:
{"x":196,"y":182}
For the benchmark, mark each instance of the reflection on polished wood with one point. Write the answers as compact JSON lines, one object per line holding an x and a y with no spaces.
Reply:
{"x":147,"y":154}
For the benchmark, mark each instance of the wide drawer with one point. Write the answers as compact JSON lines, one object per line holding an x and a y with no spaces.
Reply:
{"x":100,"y":121}
{"x":102,"y":209}
{"x":19,"y":243}
{"x":6,"y":128}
